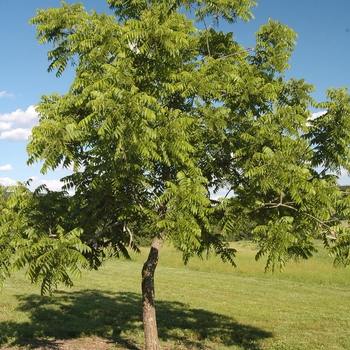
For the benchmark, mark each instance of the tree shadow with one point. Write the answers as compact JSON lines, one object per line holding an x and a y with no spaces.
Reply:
{"x":114,"y":316}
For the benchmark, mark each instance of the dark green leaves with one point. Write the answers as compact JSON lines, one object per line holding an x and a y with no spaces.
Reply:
{"x":159,"y":112}
{"x":159,"y":118}
{"x":35,"y":235}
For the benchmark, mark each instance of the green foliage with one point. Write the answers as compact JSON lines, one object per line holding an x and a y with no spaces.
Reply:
{"x":32,"y":237}
{"x":329,"y":133}
{"x":202,"y":8}
{"x":159,"y":116}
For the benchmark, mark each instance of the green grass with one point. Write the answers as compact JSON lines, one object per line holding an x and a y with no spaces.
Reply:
{"x":204,"y":305}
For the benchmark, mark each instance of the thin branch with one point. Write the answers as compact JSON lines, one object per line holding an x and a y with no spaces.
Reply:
{"x":228,"y":192}
{"x":154,"y":194}
{"x":100,"y":233}
{"x":132,"y":186}
{"x":136,"y":197}
{"x":52,"y":235}
{"x":126,"y":228}
{"x":207,"y":28}
{"x":238,"y":53}
{"x":276,"y":205}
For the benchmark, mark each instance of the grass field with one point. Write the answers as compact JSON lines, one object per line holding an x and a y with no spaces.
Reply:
{"x":204,"y":305}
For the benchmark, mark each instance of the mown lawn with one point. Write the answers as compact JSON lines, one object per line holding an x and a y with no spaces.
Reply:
{"x":204,"y":305}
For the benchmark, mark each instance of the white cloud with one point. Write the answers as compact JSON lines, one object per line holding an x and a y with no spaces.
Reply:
{"x":19,"y":134}
{"x":317,"y":115}
{"x":53,"y":185}
{"x":222,"y":193}
{"x":17,"y":125}
{"x":6,"y":181}
{"x":61,"y":168}
{"x":7,"y":167}
{"x":21,"y":118}
{"x":5,"y":126}
{"x":5,"y":94}
{"x":343,"y":177}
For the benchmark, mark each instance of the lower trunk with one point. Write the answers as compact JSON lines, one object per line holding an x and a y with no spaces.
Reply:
{"x":148,"y":308}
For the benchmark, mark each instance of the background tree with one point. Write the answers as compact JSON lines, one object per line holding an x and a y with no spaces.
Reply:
{"x":160,"y":115}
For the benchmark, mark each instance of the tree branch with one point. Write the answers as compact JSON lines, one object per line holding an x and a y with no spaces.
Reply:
{"x":126,"y":228}
{"x":239,"y":52}
{"x":100,"y":233}
{"x":276,"y":205}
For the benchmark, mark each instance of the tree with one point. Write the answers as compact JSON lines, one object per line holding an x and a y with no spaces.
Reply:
{"x":160,"y":115}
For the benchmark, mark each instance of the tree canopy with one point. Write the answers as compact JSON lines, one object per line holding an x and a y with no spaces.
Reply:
{"x":164,"y":111}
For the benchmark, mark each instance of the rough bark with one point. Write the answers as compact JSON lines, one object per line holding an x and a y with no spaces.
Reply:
{"x":148,"y":307}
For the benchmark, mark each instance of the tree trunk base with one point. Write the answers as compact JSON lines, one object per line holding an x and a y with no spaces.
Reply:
{"x":148,"y":295}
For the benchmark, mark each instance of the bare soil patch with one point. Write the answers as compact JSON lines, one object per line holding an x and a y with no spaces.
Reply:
{"x":71,"y":344}
{"x":84,"y":344}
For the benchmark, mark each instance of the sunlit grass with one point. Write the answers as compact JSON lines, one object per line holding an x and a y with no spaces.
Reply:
{"x":204,"y":305}
{"x":318,"y":270}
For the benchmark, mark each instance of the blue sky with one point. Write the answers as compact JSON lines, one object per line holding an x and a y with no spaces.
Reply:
{"x":321,"y":56}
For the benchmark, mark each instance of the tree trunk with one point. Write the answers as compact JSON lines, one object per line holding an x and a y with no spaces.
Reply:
{"x":148,"y":308}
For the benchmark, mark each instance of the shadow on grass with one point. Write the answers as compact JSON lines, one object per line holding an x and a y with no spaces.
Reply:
{"x":117,"y":317}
